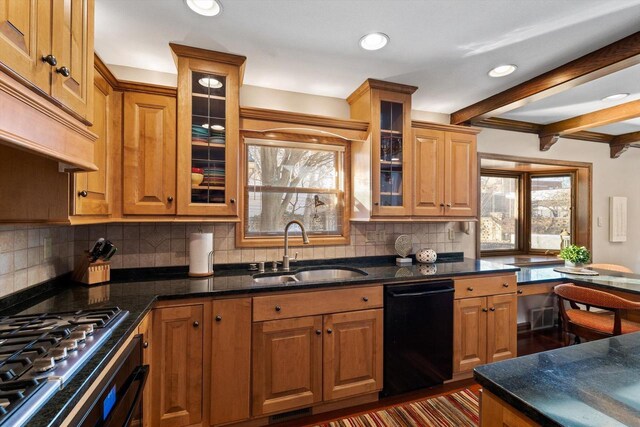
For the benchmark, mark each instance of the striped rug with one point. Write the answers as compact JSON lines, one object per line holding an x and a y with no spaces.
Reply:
{"x":453,"y":410}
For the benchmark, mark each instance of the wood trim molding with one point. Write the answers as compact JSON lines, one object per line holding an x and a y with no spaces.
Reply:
{"x":380,"y":85}
{"x":104,"y":71}
{"x":417,"y":124}
{"x":521,"y":159}
{"x":128,"y":86}
{"x":508,"y":124}
{"x":302,"y":119}
{"x":627,"y":138}
{"x":207,"y":55}
{"x":616,"y":150}
{"x":617,"y":113}
{"x":616,"y":56}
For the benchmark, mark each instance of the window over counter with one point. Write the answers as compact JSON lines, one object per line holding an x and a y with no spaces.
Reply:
{"x":287,"y":177}
{"x":525,"y":206}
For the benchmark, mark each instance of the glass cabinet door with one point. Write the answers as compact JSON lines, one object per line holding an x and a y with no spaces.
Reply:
{"x":391,"y":152}
{"x":208,"y":138}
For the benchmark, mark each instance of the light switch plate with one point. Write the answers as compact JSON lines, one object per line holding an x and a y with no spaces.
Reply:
{"x":47,"y":248}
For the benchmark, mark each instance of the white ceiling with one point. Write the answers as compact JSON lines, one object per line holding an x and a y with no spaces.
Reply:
{"x":445,"y":47}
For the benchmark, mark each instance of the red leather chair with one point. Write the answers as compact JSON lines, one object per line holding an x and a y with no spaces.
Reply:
{"x":592,"y":325}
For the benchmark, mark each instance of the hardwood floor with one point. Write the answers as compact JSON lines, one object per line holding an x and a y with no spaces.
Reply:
{"x":382,"y":404}
{"x":530,"y":342}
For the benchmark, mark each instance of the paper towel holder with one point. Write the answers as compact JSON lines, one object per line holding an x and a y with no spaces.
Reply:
{"x":209,"y":268}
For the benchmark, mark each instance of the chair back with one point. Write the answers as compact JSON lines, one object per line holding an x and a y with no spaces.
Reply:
{"x":594,"y":298}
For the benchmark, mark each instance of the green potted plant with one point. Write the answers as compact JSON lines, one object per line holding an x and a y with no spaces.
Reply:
{"x":575,"y":256}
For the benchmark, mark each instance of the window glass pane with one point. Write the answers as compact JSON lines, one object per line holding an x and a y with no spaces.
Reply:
{"x":286,"y":183}
{"x":550,"y":210}
{"x":499,"y":213}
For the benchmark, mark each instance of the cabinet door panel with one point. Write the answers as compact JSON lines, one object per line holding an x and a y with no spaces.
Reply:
{"x":461,"y":175}
{"x":469,"y":333}
{"x":287,"y":364}
{"x":177,"y":366}
{"x":72,"y":45}
{"x":502,"y":327}
{"x":230,"y":360}
{"x":25,"y":37}
{"x":145,"y":330}
{"x":428,"y":172}
{"x":149,"y":155}
{"x":352,"y":353}
{"x":97,"y":184}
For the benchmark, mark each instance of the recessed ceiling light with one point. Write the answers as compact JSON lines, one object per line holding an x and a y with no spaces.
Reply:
{"x":502,"y":70}
{"x":374,"y":41}
{"x":615,"y":97}
{"x":210,"y":82}
{"x":204,"y":7}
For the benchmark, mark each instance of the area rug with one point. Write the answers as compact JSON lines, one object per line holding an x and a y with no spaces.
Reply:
{"x":452,"y":410}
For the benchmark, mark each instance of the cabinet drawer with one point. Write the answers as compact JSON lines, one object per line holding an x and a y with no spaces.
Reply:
{"x":482,"y":286}
{"x":319,"y":302}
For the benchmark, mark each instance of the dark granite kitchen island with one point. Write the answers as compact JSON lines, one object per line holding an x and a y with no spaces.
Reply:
{"x":591,"y":384}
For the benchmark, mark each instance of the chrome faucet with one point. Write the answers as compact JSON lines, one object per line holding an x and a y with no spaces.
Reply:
{"x":305,"y":240}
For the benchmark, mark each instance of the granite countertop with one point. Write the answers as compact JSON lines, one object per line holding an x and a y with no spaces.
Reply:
{"x":137,"y":296}
{"x":607,"y":280}
{"x":591,"y":384}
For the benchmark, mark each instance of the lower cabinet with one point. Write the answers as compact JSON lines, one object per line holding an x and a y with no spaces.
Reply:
{"x":177,"y":365}
{"x":485,"y":330}
{"x":303,"y":361}
{"x":230,"y":361}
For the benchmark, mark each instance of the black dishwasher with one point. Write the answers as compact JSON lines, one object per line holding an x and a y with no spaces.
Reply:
{"x":418,"y":336}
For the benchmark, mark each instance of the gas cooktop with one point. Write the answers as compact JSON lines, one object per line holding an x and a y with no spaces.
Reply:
{"x":39,"y":352}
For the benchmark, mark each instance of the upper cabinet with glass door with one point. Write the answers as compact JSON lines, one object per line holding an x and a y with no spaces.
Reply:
{"x":208,"y":131}
{"x":382,"y":171}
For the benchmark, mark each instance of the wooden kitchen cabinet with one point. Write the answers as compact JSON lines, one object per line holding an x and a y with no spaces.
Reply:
{"x":352,"y":353}
{"x":445,"y":172}
{"x":287,"y":364}
{"x":230,"y":361}
{"x":145,"y":330}
{"x":149,"y":154}
{"x":484,"y":321}
{"x":331,"y":352}
{"x":177,"y":365}
{"x":382,"y":165}
{"x":91,"y":192}
{"x":208,"y":131}
{"x":61,"y":30}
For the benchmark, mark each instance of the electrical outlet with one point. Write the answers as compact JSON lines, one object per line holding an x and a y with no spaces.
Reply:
{"x":47,"y":248}
{"x":599,"y":221}
{"x":452,"y":234}
{"x":370,"y":236}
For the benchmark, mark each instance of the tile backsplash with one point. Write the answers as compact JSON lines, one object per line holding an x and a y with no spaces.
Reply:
{"x":23,"y":262}
{"x":22,"y":255}
{"x":158,"y":244}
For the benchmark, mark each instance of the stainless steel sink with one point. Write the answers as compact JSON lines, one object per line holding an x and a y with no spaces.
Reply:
{"x":309,"y":274}
{"x":328,"y":274}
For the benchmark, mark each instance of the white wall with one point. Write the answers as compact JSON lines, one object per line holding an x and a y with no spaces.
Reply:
{"x":611,"y":177}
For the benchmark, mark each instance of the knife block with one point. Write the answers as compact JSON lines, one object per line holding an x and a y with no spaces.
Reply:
{"x":91,"y":273}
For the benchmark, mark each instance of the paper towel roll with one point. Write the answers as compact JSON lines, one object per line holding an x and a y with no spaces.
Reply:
{"x":201,"y":254}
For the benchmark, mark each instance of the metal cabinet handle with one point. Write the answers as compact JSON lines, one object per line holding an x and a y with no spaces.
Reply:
{"x":278,"y":308}
{"x":470,"y":289}
{"x":170,"y":199}
{"x":329,"y":331}
{"x":484,"y":310}
{"x":318,"y":332}
{"x":218,"y":318}
{"x":520,"y":291}
{"x":365,"y":299}
{"x":376,"y":203}
{"x":196,"y":324}
{"x":505,"y":285}
{"x":145,"y":344}
{"x":83,"y":193}
{"x":50,"y":59}
{"x":492,"y":309}
{"x":448,"y":205}
{"x":64,"y":71}
{"x":442,"y":205}
{"x":232,"y":200}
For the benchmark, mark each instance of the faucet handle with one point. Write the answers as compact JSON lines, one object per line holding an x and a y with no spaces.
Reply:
{"x":295,"y":257}
{"x":274,"y":265}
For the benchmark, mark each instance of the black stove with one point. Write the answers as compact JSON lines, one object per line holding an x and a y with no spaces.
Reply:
{"x":39,"y":352}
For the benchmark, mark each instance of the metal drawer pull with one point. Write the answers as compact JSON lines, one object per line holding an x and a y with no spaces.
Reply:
{"x":278,"y":308}
{"x":520,"y":291}
{"x":365,"y":299}
{"x":83,"y":193}
{"x":218,"y":318}
{"x":50,"y":59}
{"x":145,"y":344}
{"x":329,"y":331}
{"x":492,"y":309}
{"x":64,"y":71}
{"x":196,"y":324}
{"x":470,"y":289}
{"x":318,"y":332}
{"x":484,"y":310}
{"x":505,"y":285}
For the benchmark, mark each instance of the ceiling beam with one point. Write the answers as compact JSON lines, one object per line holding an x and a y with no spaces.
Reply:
{"x":615,"y":57}
{"x":549,"y":133}
{"x":528,"y":127}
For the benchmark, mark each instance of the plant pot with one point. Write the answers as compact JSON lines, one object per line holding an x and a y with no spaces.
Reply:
{"x":571,"y":264}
